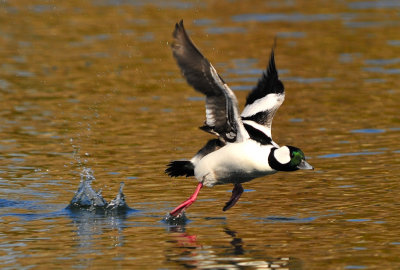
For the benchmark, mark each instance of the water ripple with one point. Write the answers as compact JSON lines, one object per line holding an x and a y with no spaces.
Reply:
{"x":280,"y":17}
{"x":382,"y":70}
{"x":291,"y":34}
{"x":336,"y":155}
{"x":309,"y":80}
{"x":224,"y":30}
{"x":355,"y":267}
{"x":281,"y":219}
{"x":368,"y":130}
{"x":382,"y":61}
{"x":202,"y":22}
{"x":358,"y":220}
{"x":393,"y":42}
{"x":374,"y":4}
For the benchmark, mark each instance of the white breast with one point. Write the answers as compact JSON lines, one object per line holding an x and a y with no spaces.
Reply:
{"x":234,"y":163}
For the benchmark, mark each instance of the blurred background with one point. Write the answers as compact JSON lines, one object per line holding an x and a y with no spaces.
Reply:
{"x":93,"y":84}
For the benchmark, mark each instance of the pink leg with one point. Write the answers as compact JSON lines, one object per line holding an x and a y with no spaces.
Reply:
{"x":182,"y":207}
{"x":236,"y":193}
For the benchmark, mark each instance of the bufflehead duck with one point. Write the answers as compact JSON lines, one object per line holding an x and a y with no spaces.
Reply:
{"x":244,"y":149}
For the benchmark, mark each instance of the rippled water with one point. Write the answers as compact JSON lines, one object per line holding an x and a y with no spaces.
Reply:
{"x":92,"y":84}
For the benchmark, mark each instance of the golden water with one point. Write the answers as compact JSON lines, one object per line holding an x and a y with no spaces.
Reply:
{"x":93,"y":84}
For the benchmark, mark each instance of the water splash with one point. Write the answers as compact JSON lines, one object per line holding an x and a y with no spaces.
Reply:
{"x":119,"y":201}
{"x":87,"y":198}
{"x":180,"y":219}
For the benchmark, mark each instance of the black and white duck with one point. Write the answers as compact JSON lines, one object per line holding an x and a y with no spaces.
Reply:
{"x":244,"y":149}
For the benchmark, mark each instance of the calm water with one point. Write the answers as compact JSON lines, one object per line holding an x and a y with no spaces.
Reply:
{"x":92,"y":84}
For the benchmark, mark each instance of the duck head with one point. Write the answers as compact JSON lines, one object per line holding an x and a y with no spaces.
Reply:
{"x":288,"y":158}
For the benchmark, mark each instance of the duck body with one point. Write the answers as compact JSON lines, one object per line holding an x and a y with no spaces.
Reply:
{"x":234,"y":163}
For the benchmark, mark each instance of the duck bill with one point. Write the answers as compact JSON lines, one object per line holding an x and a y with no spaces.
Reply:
{"x":305,"y":166}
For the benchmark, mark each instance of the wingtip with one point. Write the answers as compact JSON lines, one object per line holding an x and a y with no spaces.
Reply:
{"x":271,"y":64}
{"x":179,"y":25}
{"x":178,"y":28}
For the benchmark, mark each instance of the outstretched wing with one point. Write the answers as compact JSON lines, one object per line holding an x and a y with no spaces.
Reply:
{"x":222,"y":116}
{"x":264,"y":100}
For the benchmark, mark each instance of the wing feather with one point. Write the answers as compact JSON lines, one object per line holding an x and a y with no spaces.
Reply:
{"x":222,"y":117}
{"x":265,"y":99}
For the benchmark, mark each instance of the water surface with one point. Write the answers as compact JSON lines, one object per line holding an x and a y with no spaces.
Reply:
{"x":93,"y":84}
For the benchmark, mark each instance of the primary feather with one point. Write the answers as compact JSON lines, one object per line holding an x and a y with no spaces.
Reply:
{"x":222,"y":117}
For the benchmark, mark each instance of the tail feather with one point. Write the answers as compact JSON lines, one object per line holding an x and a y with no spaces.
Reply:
{"x":180,"y":168}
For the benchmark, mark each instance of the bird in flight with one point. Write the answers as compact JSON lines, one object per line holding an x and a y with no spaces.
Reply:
{"x":243,"y":149}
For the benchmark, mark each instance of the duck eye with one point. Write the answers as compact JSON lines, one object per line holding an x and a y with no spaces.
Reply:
{"x":296,"y":157}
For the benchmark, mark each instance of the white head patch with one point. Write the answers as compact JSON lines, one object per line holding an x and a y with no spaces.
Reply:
{"x":282,"y":154}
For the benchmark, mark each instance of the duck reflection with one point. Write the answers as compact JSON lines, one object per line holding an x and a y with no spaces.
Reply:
{"x":189,"y":253}
{"x":236,"y":242}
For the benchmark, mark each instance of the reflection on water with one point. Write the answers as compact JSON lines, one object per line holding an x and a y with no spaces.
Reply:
{"x":90,"y":224}
{"x":93,"y":84}
{"x":232,"y":255}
